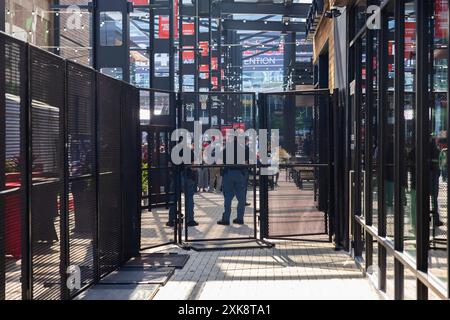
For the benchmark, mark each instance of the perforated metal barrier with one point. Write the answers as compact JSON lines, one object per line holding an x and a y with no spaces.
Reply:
{"x":82,"y":197}
{"x":298,"y":198}
{"x":12,"y":167}
{"x":69,"y":174}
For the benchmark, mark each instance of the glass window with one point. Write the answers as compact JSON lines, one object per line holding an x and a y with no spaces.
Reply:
{"x":188,"y":82}
{"x":362,"y":124}
{"x":438,"y":142}
{"x":374,"y":127}
{"x":145,"y":107}
{"x":140,"y":68}
{"x":162,"y":104}
{"x":111,"y":29}
{"x":389,"y":123}
{"x":360,"y":16}
{"x":162,"y":61}
{"x":144,"y":166}
{"x":408,"y":153}
{"x":116,"y":73}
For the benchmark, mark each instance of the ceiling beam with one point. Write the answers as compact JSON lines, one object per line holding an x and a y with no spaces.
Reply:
{"x":274,"y":48}
{"x":259,"y":45}
{"x":294,"y":10}
{"x":264,"y":26}
{"x":253,"y":35}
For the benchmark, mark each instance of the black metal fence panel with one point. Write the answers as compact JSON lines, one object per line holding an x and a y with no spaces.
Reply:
{"x":47,"y":88}
{"x":82,"y":197}
{"x":130,"y":171}
{"x":12,"y":167}
{"x":109,"y":156}
{"x":69,"y":174}
{"x":2,"y":172}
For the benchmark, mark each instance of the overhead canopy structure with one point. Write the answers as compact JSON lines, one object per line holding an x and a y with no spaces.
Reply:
{"x":223,"y":34}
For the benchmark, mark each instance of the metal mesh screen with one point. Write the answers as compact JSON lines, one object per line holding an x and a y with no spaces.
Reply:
{"x":110,"y":202}
{"x":298,"y":192}
{"x":58,"y":207}
{"x":2,"y":171}
{"x":12,"y":134}
{"x":130,"y":170}
{"x":82,"y":168}
{"x":47,"y":81}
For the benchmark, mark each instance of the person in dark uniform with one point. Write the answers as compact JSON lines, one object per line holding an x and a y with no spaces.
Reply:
{"x":308,"y":147}
{"x":235,"y":185}
{"x":434,"y":182}
{"x":81,"y":189}
{"x":188,"y":187}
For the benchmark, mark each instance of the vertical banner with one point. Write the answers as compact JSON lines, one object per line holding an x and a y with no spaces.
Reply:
{"x":164,"y":24}
{"x":163,"y":27}
{"x":441,"y":18}
{"x":204,"y":46}
{"x":215,"y":63}
{"x":188,"y":29}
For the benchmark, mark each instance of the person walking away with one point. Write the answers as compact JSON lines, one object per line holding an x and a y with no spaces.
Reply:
{"x":188,"y":187}
{"x":434,"y":182}
{"x":235,"y":185}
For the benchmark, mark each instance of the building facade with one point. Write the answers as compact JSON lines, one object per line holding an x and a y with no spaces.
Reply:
{"x":388,"y":60}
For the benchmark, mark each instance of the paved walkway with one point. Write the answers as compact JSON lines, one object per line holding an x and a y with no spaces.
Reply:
{"x":290,"y":270}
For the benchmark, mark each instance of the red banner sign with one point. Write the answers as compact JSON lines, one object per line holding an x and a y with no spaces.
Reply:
{"x":441,"y":18}
{"x":188,"y":55}
{"x":164,"y":23}
{"x":214,"y":63}
{"x":140,"y":2}
{"x":204,"y":46}
{"x":188,"y":28}
{"x":215,"y":82}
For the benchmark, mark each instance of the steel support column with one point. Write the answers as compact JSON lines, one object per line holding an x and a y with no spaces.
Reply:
{"x":399,"y":138}
{"x":2,"y":166}
{"x":422,"y":143}
{"x":289,"y":60}
{"x":358,"y":105}
{"x":2,"y":15}
{"x":382,"y":116}
{"x":57,"y":30}
{"x":108,"y":56}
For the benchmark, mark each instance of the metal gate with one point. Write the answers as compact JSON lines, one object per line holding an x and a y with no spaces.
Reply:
{"x":158,"y":116}
{"x":296,"y":200}
{"x":221,"y":111}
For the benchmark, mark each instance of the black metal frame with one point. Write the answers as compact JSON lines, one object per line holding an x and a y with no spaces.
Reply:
{"x":2,"y":16}
{"x":324,"y":101}
{"x":2,"y":169}
{"x":180,"y":122}
{"x":111,"y":56}
{"x":377,"y":235}
{"x":158,"y":124}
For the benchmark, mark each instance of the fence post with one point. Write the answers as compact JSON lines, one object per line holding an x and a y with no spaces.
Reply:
{"x":263,"y":180}
{"x":65,"y":294}
{"x":2,"y":162}
{"x":96,"y":177}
